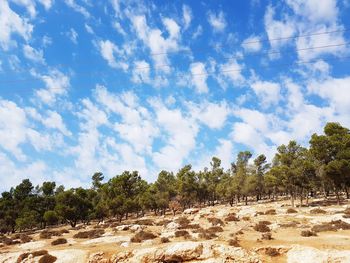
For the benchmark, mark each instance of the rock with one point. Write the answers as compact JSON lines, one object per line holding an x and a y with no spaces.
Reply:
{"x":122,"y":227}
{"x":308,"y":254}
{"x":136,"y":228}
{"x":97,"y":258}
{"x":183,"y":251}
{"x":247,"y":211}
{"x":191,"y":211}
{"x":125,"y":244}
{"x":172,"y":226}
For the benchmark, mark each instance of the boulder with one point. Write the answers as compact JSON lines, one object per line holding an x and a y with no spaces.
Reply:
{"x":97,"y":258}
{"x":191,"y":211}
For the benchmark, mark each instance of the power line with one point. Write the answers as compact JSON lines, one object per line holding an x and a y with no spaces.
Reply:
{"x":168,"y":65}
{"x":213,"y":73}
{"x":265,"y":40}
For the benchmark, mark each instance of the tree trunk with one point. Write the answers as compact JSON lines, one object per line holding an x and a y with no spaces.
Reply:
{"x":292,"y":199}
{"x":338,"y":197}
{"x":246,"y":200}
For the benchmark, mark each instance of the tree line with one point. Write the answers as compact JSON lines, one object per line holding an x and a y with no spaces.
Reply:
{"x":295,"y":171}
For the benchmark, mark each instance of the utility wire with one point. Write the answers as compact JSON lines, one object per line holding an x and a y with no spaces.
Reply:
{"x":209,"y":73}
{"x":167,"y":65}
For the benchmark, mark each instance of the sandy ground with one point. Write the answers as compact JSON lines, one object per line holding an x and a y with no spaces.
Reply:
{"x":321,"y":248}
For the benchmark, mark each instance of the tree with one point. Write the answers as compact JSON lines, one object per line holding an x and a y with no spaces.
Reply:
{"x":242,"y":174}
{"x":97,"y":179}
{"x":261,"y":166}
{"x":187,"y":185}
{"x":51,"y":217}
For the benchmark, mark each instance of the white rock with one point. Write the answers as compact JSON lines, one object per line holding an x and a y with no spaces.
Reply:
{"x":122,"y":227}
{"x":191,"y":211}
{"x":125,"y":244}
{"x":172,"y":226}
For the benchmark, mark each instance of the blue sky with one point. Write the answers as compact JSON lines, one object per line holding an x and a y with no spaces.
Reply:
{"x":119,"y":85}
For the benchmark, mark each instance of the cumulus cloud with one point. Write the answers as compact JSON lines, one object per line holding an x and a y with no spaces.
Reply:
{"x":11,"y":23}
{"x":33,"y":54}
{"x":217,"y":21}
{"x":78,"y":8}
{"x":199,"y":77}
{"x":252,"y":44}
{"x":186,"y":15}
{"x":268,"y":92}
{"x":107,"y":50}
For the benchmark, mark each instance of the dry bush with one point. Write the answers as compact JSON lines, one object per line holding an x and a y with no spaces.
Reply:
{"x":291,"y":211}
{"x":64,"y":231}
{"x":25,"y":255}
{"x":272,"y":252}
{"x":261,"y":227}
{"x":59,"y":241}
{"x":266,"y":236}
{"x":6,"y":240}
{"x":47,"y":259}
{"x":346,"y":216}
{"x":94,"y":233}
{"x":141,"y":236}
{"x":190,"y":226}
{"x":270,"y":212}
{"x":239,"y":232}
{"x":246,"y":218}
{"x":308,"y":233}
{"x":164,"y":240}
{"x":265,"y":222}
{"x":260,"y":213}
{"x":144,"y":222}
{"x":331,"y":226}
{"x":47,"y":234}
{"x":347,"y":211}
{"x":182,"y":221}
{"x":289,"y":224}
{"x":234,"y":242}
{"x":182,"y":233}
{"x":207,"y":235}
{"x":215,"y":229}
{"x":231,"y":218}
{"x":23,"y":237}
{"x":163,"y":222}
{"x":317,"y":211}
{"x":216,"y":221}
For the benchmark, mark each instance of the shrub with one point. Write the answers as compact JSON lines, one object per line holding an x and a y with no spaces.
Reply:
{"x":47,"y":259}
{"x":331,"y":226}
{"x":145,"y":222}
{"x":47,"y":234}
{"x":231,"y":217}
{"x":190,"y":226}
{"x":59,"y":241}
{"x":270,"y":212}
{"x":64,"y":231}
{"x":51,"y":217}
{"x":6,"y":240}
{"x":347,"y":211}
{"x":266,"y":236}
{"x":94,"y":233}
{"x":163,"y":222}
{"x":272,"y":252}
{"x":246,"y":218}
{"x":207,"y":235}
{"x":265,"y":222}
{"x":25,"y":255}
{"x":289,"y":224}
{"x":234,"y":242}
{"x":308,"y":233}
{"x":182,"y":233}
{"x":23,"y":237}
{"x":261,"y":227}
{"x":164,"y":240}
{"x":216,"y":221}
{"x":182,"y":221}
{"x":215,"y":229}
{"x":142,"y":235}
{"x":317,"y":211}
{"x":259,"y":213}
{"x":291,"y":211}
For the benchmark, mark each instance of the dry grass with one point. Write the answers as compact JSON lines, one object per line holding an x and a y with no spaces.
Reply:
{"x":272,"y":252}
{"x":37,"y":253}
{"x":141,"y":236}
{"x":262,"y":227}
{"x":317,"y":211}
{"x":331,"y":226}
{"x":59,"y":241}
{"x":289,"y":224}
{"x":215,"y":229}
{"x":163,"y":222}
{"x":182,"y":221}
{"x":308,"y":233}
{"x":144,"y":222}
{"x":270,"y":212}
{"x":234,"y":242}
{"x":182,"y":233}
{"x":190,"y":226}
{"x":266,"y":236}
{"x":291,"y":211}
{"x":216,"y":221}
{"x":47,"y":259}
{"x":94,"y":233}
{"x":231,"y":218}
{"x":164,"y":240}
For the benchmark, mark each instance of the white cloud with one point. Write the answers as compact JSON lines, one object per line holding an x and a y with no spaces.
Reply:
{"x":268,"y":92}
{"x":281,"y":30}
{"x":141,"y":71}
{"x":56,"y":85}
{"x":217,"y":21}
{"x":153,"y":39}
{"x":12,"y":23}
{"x":107,"y":50}
{"x":73,"y":35}
{"x":33,"y":54}
{"x":231,"y":71}
{"x":199,"y":77}
{"x":186,"y":16}
{"x":119,"y":28}
{"x":314,"y":10}
{"x":28,"y":4}
{"x":252,"y":44}
{"x":46,"y":3}
{"x":89,"y":29}
{"x":78,"y":8}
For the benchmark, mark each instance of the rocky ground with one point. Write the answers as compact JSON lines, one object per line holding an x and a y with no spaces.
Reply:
{"x":265,"y":232}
